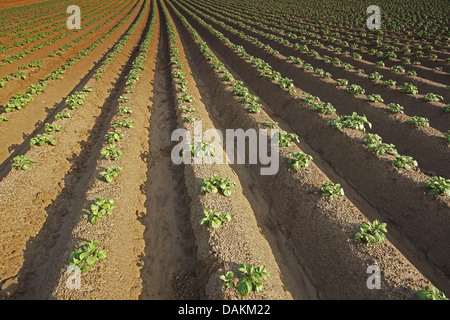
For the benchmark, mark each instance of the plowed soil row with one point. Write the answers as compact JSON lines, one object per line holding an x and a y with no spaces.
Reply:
{"x":156,"y":247}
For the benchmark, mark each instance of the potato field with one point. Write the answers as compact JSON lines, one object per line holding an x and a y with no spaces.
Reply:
{"x":224,"y":150}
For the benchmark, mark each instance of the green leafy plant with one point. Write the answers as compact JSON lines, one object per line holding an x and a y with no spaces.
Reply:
{"x":114,"y":136}
{"x":447,"y":136}
{"x":214,"y":219}
{"x":409,"y":88}
{"x":342,"y":82}
{"x":111,"y":152}
{"x":375,"y":98}
{"x":63,"y":114}
{"x":189,"y":108}
{"x":87,"y":255}
{"x":323,"y":107}
{"x":123,"y":123}
{"x":110,"y":173}
{"x":254,"y":107}
{"x":99,"y":208}
{"x":285,"y":139}
{"x":431,"y":293}
{"x":3,"y":118}
{"x":185,"y":97}
{"x":375,"y":144}
{"x":438,"y":185}
{"x":432,"y":97}
{"x":389,"y":83}
{"x":41,"y":139}
{"x":406,"y":162}
{"x":299,"y":160}
{"x":270,"y":124}
{"x":355,"y":89}
{"x":22,"y":162}
{"x":213,"y":184}
{"x":52,"y":127}
{"x":354,"y":121}
{"x":250,"y":281}
{"x":124,"y":110}
{"x":395,"y":107}
{"x":332,"y":190}
{"x":188,"y":118}
{"x":419,"y":121}
{"x":372,"y":233}
{"x":202,"y":148}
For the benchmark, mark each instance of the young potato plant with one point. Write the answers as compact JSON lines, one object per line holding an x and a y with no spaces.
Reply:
{"x":110,"y":173}
{"x":432,"y":97}
{"x":111,"y":152}
{"x":406,"y":162}
{"x":123,"y":123}
{"x":408,"y":88}
{"x":270,"y":124}
{"x":438,"y":186}
{"x":99,"y":208}
{"x":375,"y":98}
{"x":52,"y":127}
{"x":63,"y":114}
{"x":372,"y":233}
{"x":250,"y":281}
{"x":87,"y":255}
{"x":354,"y":121}
{"x":189,"y":108}
{"x":431,"y":293}
{"x":285,"y":139}
{"x":22,"y":162}
{"x":419,"y":121}
{"x":202,"y":148}
{"x":374,"y":143}
{"x":213,"y":184}
{"x":41,"y":139}
{"x":3,"y":118}
{"x":323,"y":107}
{"x":332,"y":190}
{"x":188,"y":119}
{"x":214,"y":219}
{"x":114,"y":136}
{"x":254,"y":107}
{"x":299,"y":160}
{"x":342,"y":82}
{"x":355,"y":89}
{"x":124,"y":110}
{"x":395,"y":108}
{"x":446,"y":135}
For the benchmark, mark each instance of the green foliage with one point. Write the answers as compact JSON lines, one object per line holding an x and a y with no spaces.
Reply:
{"x":285,"y":139}
{"x":52,"y":127}
{"x":87,"y":255}
{"x":395,"y":107}
{"x":419,"y":121}
{"x":214,"y":219}
{"x":202,"y":148}
{"x":431,"y":293}
{"x":111,"y":152}
{"x":438,"y":185}
{"x":432,"y":97}
{"x":332,"y":190}
{"x":123,"y":123}
{"x":375,"y":98}
{"x":114,"y":136}
{"x":355,"y":89}
{"x":354,"y":121}
{"x":63,"y":114}
{"x":406,"y":162}
{"x":110,"y":173}
{"x":22,"y":162}
{"x":324,"y":107}
{"x":408,"y":88}
{"x":213,"y":184}
{"x":299,"y":160}
{"x":41,"y":139}
{"x":375,"y":144}
{"x":372,"y":233}
{"x":250,"y":280}
{"x":99,"y":208}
